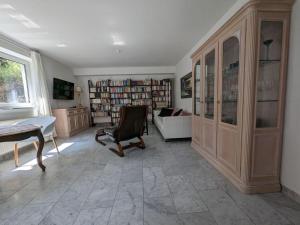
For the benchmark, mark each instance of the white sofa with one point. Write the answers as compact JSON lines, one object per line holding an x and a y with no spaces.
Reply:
{"x":173,"y":127}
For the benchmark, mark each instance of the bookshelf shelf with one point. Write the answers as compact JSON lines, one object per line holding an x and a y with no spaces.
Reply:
{"x":107,"y":96}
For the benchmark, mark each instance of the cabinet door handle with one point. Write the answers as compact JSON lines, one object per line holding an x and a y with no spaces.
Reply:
{"x":218,"y":101}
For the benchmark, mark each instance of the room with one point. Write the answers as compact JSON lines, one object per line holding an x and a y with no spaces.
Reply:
{"x":149,"y":112}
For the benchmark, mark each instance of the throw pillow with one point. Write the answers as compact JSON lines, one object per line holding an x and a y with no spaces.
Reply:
{"x":178,"y":112}
{"x":165,"y":112}
{"x":174,"y":111}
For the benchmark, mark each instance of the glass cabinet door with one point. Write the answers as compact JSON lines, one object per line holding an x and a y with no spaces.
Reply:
{"x":230,"y":74}
{"x":209,"y":88}
{"x":268,"y":81}
{"x":197,"y":88}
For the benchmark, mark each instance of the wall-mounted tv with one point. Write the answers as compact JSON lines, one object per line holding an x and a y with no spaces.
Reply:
{"x":62,"y":89}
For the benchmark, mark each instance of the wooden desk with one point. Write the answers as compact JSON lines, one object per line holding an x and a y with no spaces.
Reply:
{"x":22,"y":132}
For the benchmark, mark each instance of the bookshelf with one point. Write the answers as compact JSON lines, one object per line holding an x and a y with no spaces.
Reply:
{"x":161,"y":93}
{"x":99,"y":95}
{"x":141,"y":94}
{"x":120,"y":94}
{"x":108,"y":96}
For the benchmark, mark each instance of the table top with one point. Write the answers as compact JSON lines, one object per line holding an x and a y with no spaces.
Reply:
{"x":17,"y":129}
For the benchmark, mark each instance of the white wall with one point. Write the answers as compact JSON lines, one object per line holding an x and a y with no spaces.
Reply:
{"x":184,"y":66}
{"x":291,"y":145}
{"x":83,"y":82}
{"x":55,"y":69}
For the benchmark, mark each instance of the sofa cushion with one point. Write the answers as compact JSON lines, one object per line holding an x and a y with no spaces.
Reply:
{"x":165,"y":112}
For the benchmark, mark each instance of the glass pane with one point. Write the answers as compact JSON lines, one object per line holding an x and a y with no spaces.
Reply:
{"x":268,"y":83}
{"x":230,"y":75}
{"x":12,"y":80}
{"x":209,"y":84}
{"x":197,"y":88}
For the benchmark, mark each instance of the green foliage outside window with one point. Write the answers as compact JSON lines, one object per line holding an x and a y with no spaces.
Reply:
{"x":11,"y":82}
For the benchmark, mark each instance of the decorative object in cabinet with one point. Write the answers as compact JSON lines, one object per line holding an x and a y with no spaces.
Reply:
{"x":197,"y":88}
{"x":230,"y":79}
{"x":268,"y":82}
{"x":209,"y":88}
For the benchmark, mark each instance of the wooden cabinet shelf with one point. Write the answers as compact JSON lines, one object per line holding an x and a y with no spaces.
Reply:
{"x":239,"y":83}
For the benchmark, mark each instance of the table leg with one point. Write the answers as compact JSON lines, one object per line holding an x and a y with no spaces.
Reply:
{"x":40,"y":150}
{"x":16,"y":155}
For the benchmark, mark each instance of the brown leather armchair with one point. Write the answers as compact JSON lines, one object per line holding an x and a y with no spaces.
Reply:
{"x":131,"y":125}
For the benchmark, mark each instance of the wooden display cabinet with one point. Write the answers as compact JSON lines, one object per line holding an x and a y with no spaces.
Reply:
{"x":239,"y":78}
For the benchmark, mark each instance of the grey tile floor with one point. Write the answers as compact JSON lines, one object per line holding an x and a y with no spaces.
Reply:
{"x":165,"y":184}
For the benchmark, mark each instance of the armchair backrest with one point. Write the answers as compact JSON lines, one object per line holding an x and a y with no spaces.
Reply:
{"x":132,"y":122}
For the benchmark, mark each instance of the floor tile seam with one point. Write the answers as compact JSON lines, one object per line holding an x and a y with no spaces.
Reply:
{"x":172,"y":198}
{"x":143,"y":192}
{"x":208,"y":208}
{"x":56,"y":202}
{"x":86,"y":199}
{"x":118,"y":188}
{"x":239,"y":207}
{"x":277,"y":211}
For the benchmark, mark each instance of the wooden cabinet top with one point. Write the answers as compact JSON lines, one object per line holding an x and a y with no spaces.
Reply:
{"x":82,"y":109}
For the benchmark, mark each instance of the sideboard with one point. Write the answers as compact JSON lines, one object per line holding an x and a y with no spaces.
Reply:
{"x":70,"y":121}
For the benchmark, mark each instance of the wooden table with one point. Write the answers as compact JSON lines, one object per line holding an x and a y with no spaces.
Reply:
{"x":22,"y":132}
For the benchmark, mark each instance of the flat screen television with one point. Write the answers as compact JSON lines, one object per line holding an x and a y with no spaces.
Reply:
{"x":62,"y":89}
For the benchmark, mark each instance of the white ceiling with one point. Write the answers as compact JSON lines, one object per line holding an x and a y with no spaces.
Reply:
{"x":147,"y":32}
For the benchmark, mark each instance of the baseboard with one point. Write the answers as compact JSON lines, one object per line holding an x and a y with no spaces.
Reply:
{"x":291,"y":194}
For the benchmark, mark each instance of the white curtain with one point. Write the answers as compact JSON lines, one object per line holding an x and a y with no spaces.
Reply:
{"x":39,"y":86}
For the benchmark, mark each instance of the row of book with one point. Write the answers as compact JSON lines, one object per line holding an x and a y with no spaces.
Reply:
{"x":159,"y":99}
{"x":120,"y":101}
{"x":159,"y":88}
{"x":115,"y":108}
{"x":100,"y":107}
{"x":120,"y":82}
{"x":158,"y":93}
{"x":119,"y":95}
{"x":128,"y":82}
{"x":140,"y":82}
{"x":104,"y":95}
{"x":140,"y":95}
{"x":119,"y":89}
{"x":142,"y":102}
{"x":102,"y":83}
{"x":159,"y":105}
{"x":115,"y":120}
{"x":99,"y":90}
{"x":140,"y":89}
{"x":100,"y":101}
{"x":115,"y":114}
{"x":159,"y":82}
{"x":100,"y":114}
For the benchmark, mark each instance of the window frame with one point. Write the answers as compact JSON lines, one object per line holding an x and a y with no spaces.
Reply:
{"x":25,"y":77}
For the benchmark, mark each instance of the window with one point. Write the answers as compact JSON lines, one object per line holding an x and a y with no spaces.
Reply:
{"x":13,"y":81}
